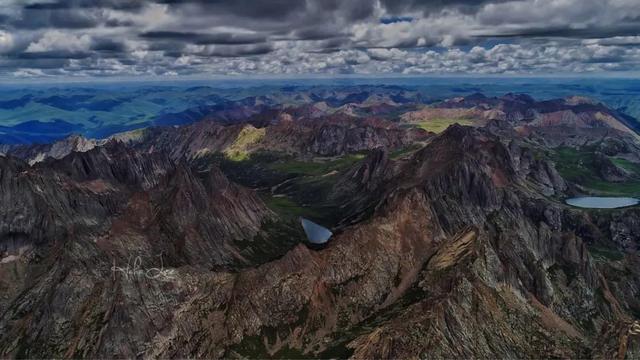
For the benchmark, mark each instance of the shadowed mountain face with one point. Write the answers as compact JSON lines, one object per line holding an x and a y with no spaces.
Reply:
{"x":115,"y":197}
{"x":448,"y":240}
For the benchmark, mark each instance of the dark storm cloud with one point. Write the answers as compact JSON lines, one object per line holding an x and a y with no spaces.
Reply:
{"x":206,"y":39}
{"x":56,"y":18}
{"x":75,"y":4}
{"x":107,"y":45}
{"x":4,"y":20}
{"x":54,"y":54}
{"x":173,"y":47}
{"x":271,"y":10}
{"x":595,"y":32}
{"x":316,"y":33}
{"x":69,"y":14}
{"x":426,"y":6}
{"x":276,"y":16}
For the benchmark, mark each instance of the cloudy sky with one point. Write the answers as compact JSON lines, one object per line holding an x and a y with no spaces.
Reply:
{"x":167,"y":38}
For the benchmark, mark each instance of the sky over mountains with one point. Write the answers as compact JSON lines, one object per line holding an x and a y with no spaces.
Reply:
{"x":102,"y":38}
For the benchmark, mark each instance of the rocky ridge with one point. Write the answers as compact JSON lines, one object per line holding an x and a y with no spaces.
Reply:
{"x":458,"y":248}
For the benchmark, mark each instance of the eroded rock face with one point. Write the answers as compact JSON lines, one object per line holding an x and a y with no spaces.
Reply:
{"x":572,"y":121}
{"x":625,"y":229}
{"x":338,"y":139}
{"x":460,"y":255}
{"x":530,"y":165}
{"x":57,"y":150}
{"x":325,"y":136}
{"x":470,"y":281}
{"x":72,"y":228}
{"x":609,"y":171}
{"x":359,"y":189}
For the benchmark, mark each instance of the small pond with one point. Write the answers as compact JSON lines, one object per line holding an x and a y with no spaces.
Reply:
{"x":316,"y":234}
{"x":600,"y":202}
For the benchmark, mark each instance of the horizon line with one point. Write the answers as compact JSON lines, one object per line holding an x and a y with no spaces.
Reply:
{"x":631,"y":76}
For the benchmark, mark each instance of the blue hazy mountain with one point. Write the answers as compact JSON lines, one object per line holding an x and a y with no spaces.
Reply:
{"x":37,"y":114}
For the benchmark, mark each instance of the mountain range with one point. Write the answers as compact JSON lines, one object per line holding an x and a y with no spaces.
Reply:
{"x":179,"y":237}
{"x":46,"y":113}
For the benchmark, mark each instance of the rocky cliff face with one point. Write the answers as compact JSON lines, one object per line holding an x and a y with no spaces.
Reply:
{"x":339,"y":139}
{"x":455,"y":249}
{"x":502,"y":275}
{"x":71,"y":228}
{"x":322,"y":136}
{"x":572,"y":121}
{"x":609,"y":171}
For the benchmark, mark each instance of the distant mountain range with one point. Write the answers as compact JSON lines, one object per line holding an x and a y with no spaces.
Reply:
{"x":44,"y":114}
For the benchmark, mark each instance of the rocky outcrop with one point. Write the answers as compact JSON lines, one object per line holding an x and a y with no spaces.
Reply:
{"x":323,"y":136}
{"x":459,"y":253}
{"x":497,"y":275}
{"x":530,"y":163}
{"x":558,"y":122}
{"x":479,"y":246}
{"x":609,"y":171}
{"x":359,"y":189}
{"x":57,"y":150}
{"x":625,"y":229}
{"x":133,"y":203}
{"x":337,"y":139}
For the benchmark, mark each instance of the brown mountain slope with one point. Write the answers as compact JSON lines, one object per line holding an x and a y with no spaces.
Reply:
{"x":502,"y":276}
{"x":462,"y":255}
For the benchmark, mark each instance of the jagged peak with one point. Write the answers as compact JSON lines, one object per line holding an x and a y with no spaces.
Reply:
{"x":458,"y":132}
{"x":518,"y":97}
{"x":77,"y":142}
{"x":460,"y":145}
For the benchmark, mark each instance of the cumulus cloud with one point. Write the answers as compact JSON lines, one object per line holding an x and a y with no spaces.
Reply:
{"x":59,"y":41}
{"x":6,"y":42}
{"x":190,"y":37}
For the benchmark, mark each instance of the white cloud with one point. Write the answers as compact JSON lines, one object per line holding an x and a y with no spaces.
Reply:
{"x":6,"y":42}
{"x":581,"y":36}
{"x":56,"y":40}
{"x":616,"y":40}
{"x":386,"y":54}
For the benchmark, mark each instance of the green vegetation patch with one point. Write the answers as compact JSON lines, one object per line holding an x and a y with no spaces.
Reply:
{"x":316,"y":167}
{"x":574,"y":165}
{"x":290,"y":187}
{"x":283,"y":205}
{"x":439,"y":125}
{"x":241,"y":147}
{"x":630,"y":188}
{"x":627,"y":165}
{"x":578,"y":166}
